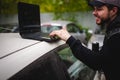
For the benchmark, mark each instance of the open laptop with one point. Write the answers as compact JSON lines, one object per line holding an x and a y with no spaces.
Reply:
{"x":29,"y":23}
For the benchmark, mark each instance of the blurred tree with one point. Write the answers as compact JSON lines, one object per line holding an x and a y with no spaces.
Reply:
{"x":63,"y":6}
{"x":57,"y":6}
{"x":7,"y":6}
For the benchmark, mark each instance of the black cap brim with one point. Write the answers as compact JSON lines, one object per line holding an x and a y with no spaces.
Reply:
{"x":96,"y":3}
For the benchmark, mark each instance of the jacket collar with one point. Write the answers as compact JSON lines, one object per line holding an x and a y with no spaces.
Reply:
{"x":113,"y":24}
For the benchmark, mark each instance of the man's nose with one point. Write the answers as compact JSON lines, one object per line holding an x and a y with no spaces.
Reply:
{"x":94,"y":12}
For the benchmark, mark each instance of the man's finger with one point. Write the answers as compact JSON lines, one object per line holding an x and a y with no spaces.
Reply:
{"x":64,"y":27}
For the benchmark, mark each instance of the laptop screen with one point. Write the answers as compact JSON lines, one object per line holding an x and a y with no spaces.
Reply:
{"x":29,"y":23}
{"x":28,"y":16}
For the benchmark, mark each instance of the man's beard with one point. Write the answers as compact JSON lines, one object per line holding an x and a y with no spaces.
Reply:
{"x":105,"y":21}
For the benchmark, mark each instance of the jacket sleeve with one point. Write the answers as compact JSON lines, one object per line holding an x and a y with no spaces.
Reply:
{"x":84,"y":54}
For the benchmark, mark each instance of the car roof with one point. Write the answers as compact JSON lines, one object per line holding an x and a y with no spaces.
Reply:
{"x":57,"y":22}
{"x":12,"y":42}
{"x":17,"y":53}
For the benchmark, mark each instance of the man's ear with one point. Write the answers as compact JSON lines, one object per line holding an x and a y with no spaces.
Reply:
{"x":114,"y":11}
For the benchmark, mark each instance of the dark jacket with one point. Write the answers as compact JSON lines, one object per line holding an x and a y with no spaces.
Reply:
{"x":107,"y":59}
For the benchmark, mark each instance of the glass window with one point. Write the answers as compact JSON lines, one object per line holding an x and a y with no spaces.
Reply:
{"x":76,"y":69}
{"x":49,"y":28}
{"x":67,"y":56}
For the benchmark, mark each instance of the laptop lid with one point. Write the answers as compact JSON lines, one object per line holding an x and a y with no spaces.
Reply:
{"x":28,"y":17}
{"x":29,"y":23}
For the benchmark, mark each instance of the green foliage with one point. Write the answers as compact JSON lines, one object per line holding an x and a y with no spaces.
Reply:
{"x":10,"y":6}
{"x":56,"y":6}
{"x":70,"y":5}
{"x":87,"y":33}
{"x":66,"y":54}
{"x":7,"y":6}
{"x":68,"y":8}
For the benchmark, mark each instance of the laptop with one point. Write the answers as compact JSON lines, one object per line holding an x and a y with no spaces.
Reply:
{"x":29,"y":23}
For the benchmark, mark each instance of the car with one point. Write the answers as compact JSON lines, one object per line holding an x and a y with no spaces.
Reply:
{"x":26,"y":59}
{"x":73,"y":29}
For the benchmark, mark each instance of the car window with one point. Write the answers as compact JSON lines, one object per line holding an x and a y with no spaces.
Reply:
{"x":67,"y":56}
{"x":72,"y":28}
{"x":76,"y":69}
{"x":49,"y":28}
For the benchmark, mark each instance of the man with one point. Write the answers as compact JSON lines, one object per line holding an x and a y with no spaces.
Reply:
{"x":106,"y":12}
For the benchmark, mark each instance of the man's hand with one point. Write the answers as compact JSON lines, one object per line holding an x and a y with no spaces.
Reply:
{"x":62,"y":34}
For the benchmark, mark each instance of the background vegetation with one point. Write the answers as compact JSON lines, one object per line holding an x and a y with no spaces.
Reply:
{"x":56,"y":6}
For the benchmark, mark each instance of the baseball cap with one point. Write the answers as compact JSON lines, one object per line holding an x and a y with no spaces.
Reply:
{"x":102,"y":2}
